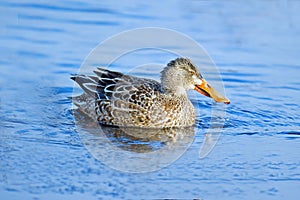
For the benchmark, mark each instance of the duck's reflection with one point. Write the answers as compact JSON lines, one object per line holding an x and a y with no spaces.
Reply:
{"x":143,"y":140}
{"x":133,"y":149}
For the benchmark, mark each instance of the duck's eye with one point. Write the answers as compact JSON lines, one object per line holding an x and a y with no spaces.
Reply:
{"x":191,"y":72}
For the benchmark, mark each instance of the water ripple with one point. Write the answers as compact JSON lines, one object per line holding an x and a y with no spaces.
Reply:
{"x":61,"y":8}
{"x":32,"y":54}
{"x":35,"y":28}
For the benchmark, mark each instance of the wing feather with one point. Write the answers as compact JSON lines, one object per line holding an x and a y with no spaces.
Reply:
{"x":119,"y":98}
{"x":110,"y":84}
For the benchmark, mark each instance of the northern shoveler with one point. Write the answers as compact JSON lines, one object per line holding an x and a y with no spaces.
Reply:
{"x":113,"y":98}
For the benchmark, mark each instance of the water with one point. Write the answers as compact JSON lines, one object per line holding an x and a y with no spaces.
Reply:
{"x":255,"y":47}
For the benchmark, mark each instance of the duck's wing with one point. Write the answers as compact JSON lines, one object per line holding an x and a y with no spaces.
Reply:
{"x":106,"y":84}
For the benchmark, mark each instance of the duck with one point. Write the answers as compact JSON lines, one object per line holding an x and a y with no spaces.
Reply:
{"x":116,"y":99}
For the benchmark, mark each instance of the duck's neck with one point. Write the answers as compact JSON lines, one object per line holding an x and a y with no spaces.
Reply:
{"x":175,"y":91}
{"x":171,"y":82}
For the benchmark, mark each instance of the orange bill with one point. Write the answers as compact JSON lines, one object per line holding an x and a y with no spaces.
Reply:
{"x":209,"y":91}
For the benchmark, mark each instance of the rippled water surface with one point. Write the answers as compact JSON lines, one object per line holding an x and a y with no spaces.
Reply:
{"x":255,"y":47}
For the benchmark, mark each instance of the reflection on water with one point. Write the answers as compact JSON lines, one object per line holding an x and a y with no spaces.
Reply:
{"x":133,"y":149}
{"x":146,"y":140}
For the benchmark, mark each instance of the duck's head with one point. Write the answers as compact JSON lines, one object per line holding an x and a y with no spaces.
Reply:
{"x":181,"y":75}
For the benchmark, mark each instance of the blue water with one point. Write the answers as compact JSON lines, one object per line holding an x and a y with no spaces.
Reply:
{"x":255,"y":47}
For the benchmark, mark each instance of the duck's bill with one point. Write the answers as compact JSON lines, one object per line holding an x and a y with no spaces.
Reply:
{"x":209,"y":91}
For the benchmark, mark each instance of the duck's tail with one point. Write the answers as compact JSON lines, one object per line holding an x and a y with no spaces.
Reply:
{"x":101,"y":85}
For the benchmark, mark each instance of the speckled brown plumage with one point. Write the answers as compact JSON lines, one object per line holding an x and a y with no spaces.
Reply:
{"x":113,"y":98}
